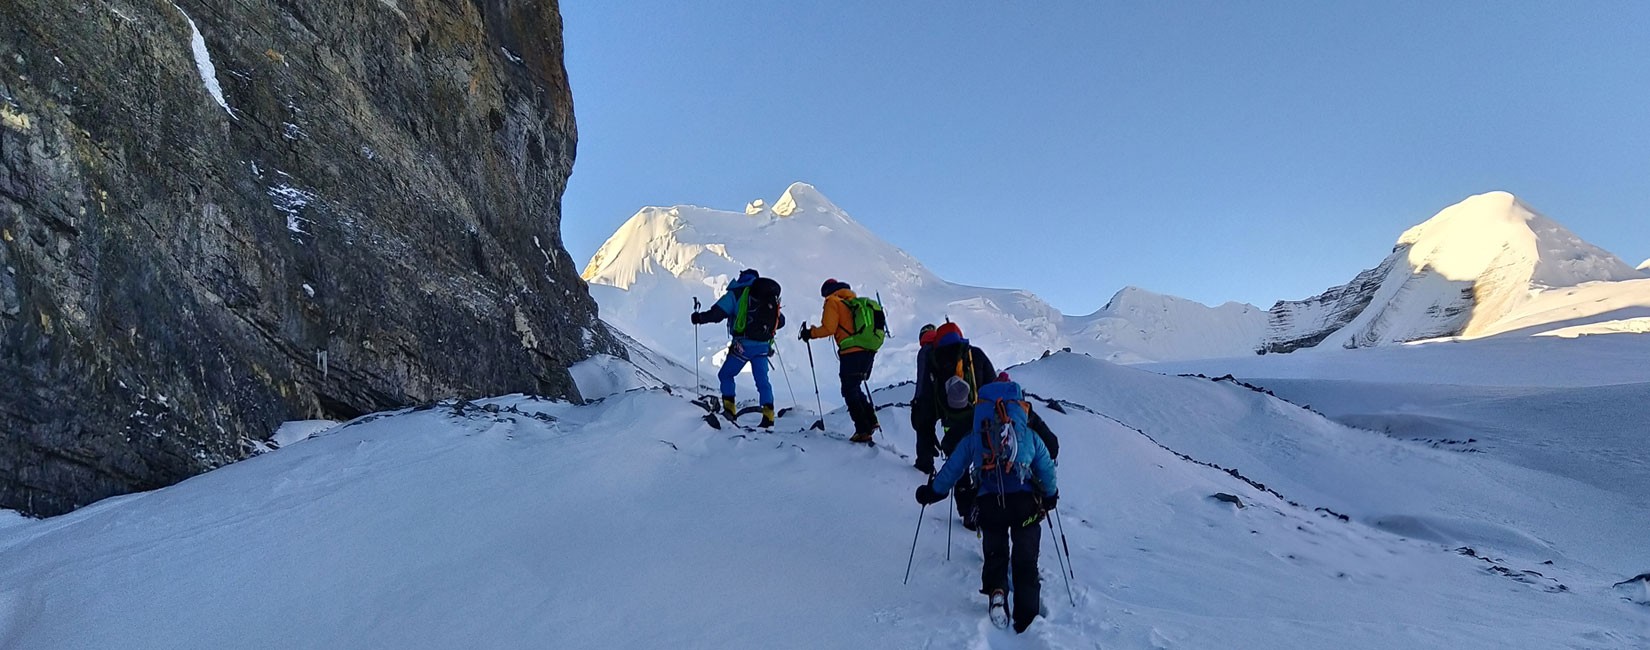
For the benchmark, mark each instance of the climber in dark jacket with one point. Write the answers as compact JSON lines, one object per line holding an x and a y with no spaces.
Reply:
{"x":922,"y":405}
{"x":956,"y":371}
{"x":1016,"y":488}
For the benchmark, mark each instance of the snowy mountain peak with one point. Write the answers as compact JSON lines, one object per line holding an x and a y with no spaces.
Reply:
{"x":1130,"y":295}
{"x":1458,"y":273}
{"x":646,"y":276}
{"x":1476,"y":236}
{"x":1135,"y":298}
{"x":1645,"y":266}
{"x":803,"y":198}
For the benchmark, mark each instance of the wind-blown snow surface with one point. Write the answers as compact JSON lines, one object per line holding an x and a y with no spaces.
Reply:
{"x":1459,"y":273}
{"x":646,"y":276}
{"x":1570,"y":414}
{"x":629,"y":523}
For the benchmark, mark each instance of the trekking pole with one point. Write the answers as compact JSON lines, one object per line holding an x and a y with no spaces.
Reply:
{"x":787,"y":372}
{"x":948,"y":526}
{"x":914,"y":545}
{"x":873,"y":401}
{"x":1069,"y":568}
{"x":697,"y":386}
{"x":1064,"y":573}
{"x":820,"y":423}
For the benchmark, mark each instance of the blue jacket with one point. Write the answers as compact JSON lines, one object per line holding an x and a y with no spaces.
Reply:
{"x":1032,"y":462}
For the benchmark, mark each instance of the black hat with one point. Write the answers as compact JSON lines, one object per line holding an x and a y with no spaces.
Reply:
{"x":831,"y":286}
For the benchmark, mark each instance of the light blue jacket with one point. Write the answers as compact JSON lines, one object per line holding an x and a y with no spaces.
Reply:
{"x":1032,"y":461}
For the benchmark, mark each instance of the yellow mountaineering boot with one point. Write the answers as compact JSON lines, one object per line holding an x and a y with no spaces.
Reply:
{"x":729,"y":408}
{"x":767,"y":416}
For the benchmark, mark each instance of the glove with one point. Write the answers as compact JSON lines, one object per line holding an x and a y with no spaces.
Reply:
{"x":1051,"y":500}
{"x":927,"y":496}
{"x":698,"y":318}
{"x":802,"y":334}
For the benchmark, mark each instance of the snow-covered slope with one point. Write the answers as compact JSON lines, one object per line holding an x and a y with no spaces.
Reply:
{"x":646,"y":276}
{"x":1137,"y":325}
{"x":1569,"y":413}
{"x":1459,"y":273}
{"x":519,"y":523}
{"x":1593,"y":306}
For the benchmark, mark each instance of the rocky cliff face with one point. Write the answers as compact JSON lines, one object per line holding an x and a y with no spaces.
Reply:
{"x":1297,"y":324}
{"x":218,"y":216}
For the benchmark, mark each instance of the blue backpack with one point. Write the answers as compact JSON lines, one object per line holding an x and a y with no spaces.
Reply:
{"x":1001,"y":418}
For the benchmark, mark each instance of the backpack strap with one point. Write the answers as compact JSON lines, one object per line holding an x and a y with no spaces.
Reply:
{"x":847,"y":328}
{"x":742,"y":311}
{"x":989,"y":461}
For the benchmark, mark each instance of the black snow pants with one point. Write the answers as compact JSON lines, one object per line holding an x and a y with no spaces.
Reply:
{"x":854,"y":370}
{"x":1011,"y":534}
{"x":956,"y":426}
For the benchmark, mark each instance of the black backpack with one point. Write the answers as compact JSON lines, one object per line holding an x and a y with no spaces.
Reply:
{"x":757,"y":317}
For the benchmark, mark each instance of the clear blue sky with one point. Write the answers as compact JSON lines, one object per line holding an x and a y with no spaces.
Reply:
{"x":1215,"y":150}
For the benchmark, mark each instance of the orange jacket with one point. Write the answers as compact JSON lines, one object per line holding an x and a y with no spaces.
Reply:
{"x":837,"y":320}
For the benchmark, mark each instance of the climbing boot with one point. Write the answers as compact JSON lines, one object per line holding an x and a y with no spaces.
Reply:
{"x":767,"y":416}
{"x":729,"y":409}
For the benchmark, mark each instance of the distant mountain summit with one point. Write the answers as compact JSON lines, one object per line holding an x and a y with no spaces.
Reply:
{"x":1489,"y":265}
{"x":1141,"y":326}
{"x":647,"y":274}
{"x":1456,"y":274}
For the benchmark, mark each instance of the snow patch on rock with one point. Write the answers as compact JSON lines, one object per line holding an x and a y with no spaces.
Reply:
{"x":203,"y":63}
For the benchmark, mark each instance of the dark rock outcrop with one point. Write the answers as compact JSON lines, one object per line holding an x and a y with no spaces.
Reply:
{"x":369,"y":218}
{"x":1297,"y":324}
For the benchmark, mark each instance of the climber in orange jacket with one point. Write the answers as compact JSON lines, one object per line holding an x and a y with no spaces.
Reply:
{"x":855,"y":353}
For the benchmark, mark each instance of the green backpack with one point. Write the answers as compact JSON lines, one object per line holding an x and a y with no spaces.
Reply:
{"x":870,"y":326}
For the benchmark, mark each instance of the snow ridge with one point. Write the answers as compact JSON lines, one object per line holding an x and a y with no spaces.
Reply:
{"x":1144,"y":326}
